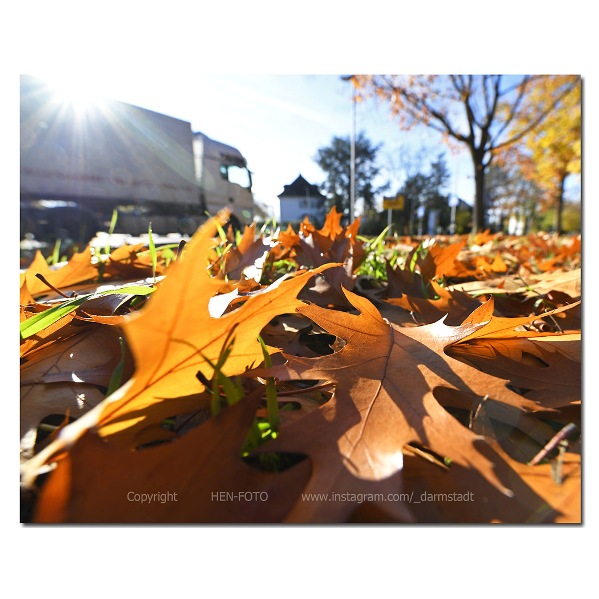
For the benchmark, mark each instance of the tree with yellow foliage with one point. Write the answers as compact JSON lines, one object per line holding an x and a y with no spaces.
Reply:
{"x":486,"y":113}
{"x":550,"y":154}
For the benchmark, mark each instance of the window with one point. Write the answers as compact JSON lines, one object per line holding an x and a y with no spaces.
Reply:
{"x":236,"y":174}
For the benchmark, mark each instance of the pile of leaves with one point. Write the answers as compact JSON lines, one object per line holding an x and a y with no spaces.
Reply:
{"x":270,"y":378}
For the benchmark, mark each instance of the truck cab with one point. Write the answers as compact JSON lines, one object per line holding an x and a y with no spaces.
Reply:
{"x":223,"y":178}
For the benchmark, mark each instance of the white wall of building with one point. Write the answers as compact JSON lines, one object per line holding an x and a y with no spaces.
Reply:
{"x":295,"y":208}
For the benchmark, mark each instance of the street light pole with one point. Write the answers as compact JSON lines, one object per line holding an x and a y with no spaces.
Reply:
{"x":352,"y":187}
{"x":352,"y":175}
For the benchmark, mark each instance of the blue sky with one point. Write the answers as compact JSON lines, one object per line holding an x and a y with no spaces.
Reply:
{"x":277,"y":121}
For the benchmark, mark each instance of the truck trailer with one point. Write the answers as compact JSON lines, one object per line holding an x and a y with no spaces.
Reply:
{"x":81,"y":163}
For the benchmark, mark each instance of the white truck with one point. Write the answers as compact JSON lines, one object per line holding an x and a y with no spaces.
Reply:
{"x":80,"y":164}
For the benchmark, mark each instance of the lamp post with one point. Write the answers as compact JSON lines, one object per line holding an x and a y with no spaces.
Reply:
{"x":453,"y":203}
{"x":352,"y":188}
{"x":352,"y":175}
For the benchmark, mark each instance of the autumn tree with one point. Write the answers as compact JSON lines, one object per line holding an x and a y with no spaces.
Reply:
{"x":549,"y":155}
{"x":476,"y":111}
{"x":335,"y":162}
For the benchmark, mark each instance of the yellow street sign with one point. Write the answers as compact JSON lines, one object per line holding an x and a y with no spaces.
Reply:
{"x":395,"y":203}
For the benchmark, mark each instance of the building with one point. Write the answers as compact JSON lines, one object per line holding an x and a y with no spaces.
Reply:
{"x":301,"y":199}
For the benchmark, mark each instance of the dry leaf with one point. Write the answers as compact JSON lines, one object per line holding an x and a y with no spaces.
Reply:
{"x":77,"y":270}
{"x":168,"y":340}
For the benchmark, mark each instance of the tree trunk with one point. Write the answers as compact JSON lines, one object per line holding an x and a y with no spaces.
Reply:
{"x":559,"y":205}
{"x":478,"y":223}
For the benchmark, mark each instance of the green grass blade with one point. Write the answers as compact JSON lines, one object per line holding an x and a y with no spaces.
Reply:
{"x":44,"y":319}
{"x":376,"y":242}
{"x":117,"y":375}
{"x":55,"y":257}
{"x":115,"y":215}
{"x":272,"y":405}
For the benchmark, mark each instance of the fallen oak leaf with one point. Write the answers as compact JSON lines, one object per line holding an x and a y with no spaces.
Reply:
{"x":70,"y":375}
{"x":497,"y":327}
{"x":544,"y":373}
{"x":89,"y":357}
{"x":132,"y":262}
{"x":169,"y":339}
{"x":77,"y":270}
{"x":238,"y":258}
{"x":332,"y":244}
{"x":562,"y":501}
{"x":216,"y":486}
{"x":442,"y":262}
{"x":455,"y":304}
{"x":383,"y":401}
{"x":535,"y":285}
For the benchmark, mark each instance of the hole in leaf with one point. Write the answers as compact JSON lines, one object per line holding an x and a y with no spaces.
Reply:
{"x":532,"y":360}
{"x":320,"y":343}
{"x":47,"y":428}
{"x":461,"y":415}
{"x":306,"y":384}
{"x":519,"y":390}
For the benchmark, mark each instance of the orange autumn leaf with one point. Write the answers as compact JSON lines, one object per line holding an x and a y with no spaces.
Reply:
{"x":99,"y":482}
{"x":171,"y":338}
{"x":443,"y":262}
{"x":131,"y":262}
{"x":239,"y":257}
{"x":384,"y":399}
{"x":455,"y":304}
{"x":496,"y":327}
{"x":77,"y":270}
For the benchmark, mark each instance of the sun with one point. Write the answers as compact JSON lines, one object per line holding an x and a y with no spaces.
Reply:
{"x":77,"y":93}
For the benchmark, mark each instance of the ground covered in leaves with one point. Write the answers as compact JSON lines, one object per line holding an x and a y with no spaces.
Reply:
{"x":304,"y":376}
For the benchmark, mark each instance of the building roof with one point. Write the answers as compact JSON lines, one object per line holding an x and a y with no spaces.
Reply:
{"x":300,"y":188}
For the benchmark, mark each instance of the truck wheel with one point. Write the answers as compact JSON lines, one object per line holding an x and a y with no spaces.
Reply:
{"x":187,"y":225}
{"x":73,"y":224}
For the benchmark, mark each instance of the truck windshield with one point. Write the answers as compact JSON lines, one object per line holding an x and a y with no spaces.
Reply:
{"x":239,"y":175}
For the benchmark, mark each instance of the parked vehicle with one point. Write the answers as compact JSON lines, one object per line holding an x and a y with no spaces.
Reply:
{"x":79,"y":165}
